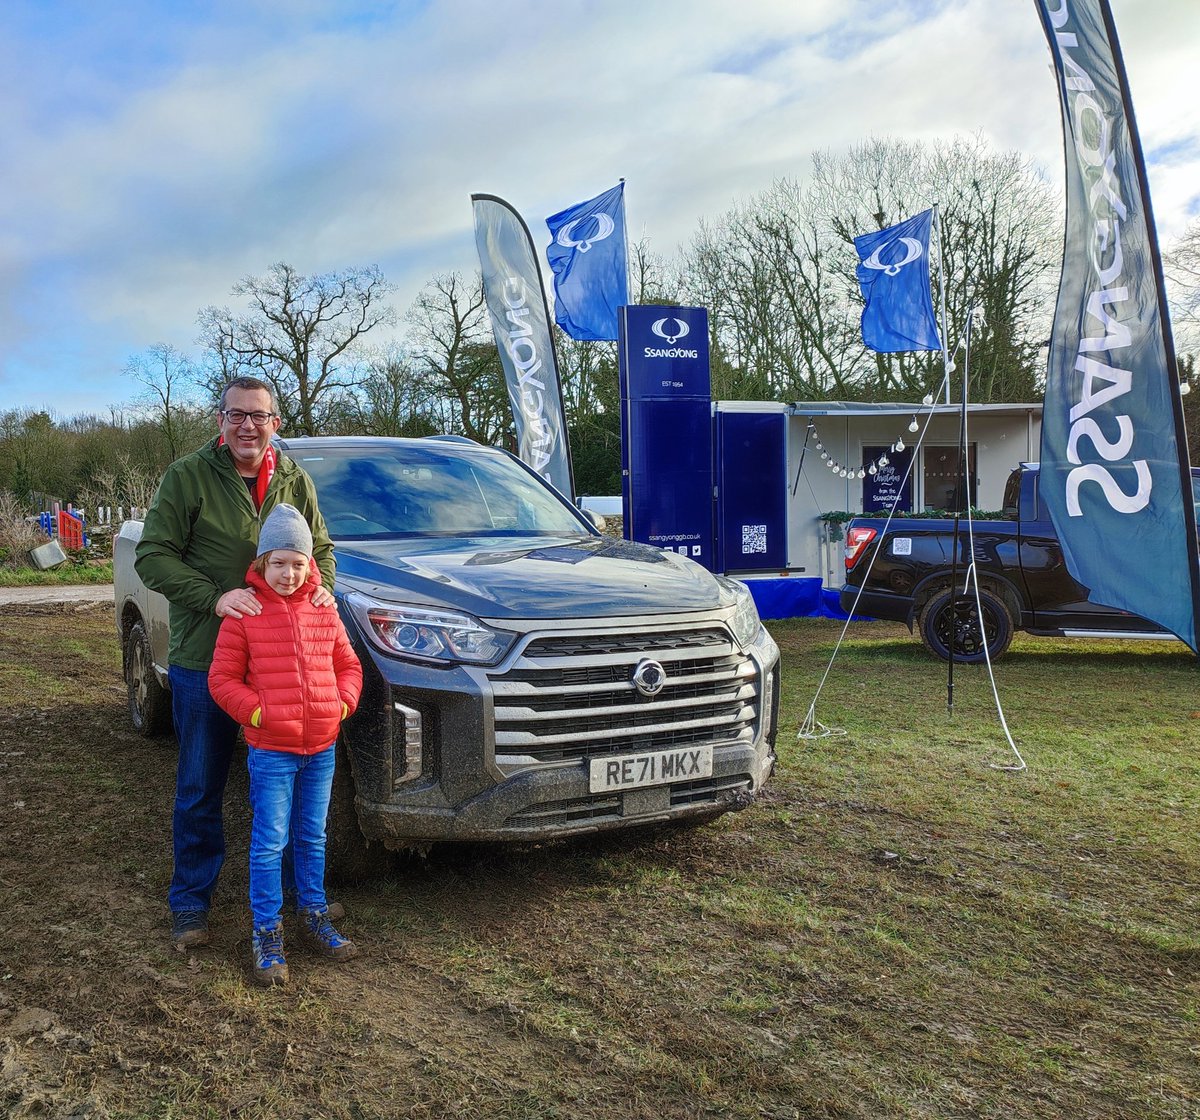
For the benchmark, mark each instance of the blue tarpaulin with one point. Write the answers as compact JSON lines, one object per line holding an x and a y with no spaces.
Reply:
{"x":794,"y":598}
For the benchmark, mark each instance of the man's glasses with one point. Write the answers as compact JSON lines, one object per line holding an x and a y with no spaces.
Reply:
{"x":237,"y":417}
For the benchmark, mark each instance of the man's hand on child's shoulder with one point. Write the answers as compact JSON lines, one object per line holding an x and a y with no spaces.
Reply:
{"x":322,"y":597}
{"x":237,"y":603}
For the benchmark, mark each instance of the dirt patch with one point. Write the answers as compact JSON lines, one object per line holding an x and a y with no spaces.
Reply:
{"x":839,"y":950}
{"x":82,"y":594}
{"x":100,"y":1017}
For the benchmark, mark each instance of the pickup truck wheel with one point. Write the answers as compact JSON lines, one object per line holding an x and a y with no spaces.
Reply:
{"x":942,"y":625}
{"x":149,"y":702}
{"x":349,"y":856}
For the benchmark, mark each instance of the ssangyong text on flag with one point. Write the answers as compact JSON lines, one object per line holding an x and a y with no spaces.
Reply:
{"x":893,"y":275}
{"x":512,"y":285}
{"x":1114,"y":472}
{"x":587,"y":256}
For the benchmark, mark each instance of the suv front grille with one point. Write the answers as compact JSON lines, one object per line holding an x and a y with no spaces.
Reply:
{"x":572,"y":696}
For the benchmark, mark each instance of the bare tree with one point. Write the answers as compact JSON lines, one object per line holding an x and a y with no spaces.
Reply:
{"x":1001,"y":239}
{"x":778,"y":314}
{"x":591,"y":401}
{"x":169,"y":398}
{"x":123,"y":484}
{"x":452,"y":344}
{"x":778,"y":273}
{"x":1181,"y":262}
{"x":301,"y":334}
{"x":651,"y":277}
{"x":395,"y":398}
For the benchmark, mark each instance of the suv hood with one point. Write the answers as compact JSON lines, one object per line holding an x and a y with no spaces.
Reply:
{"x":529,"y":577}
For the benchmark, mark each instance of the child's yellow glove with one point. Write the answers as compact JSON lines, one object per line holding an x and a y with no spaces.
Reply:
{"x":345,"y":709}
{"x":256,"y":718}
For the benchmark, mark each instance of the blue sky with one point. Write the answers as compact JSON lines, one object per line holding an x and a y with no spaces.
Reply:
{"x":152,"y":154}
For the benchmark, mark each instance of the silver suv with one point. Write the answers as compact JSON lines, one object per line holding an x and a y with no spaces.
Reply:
{"x":526,"y":677}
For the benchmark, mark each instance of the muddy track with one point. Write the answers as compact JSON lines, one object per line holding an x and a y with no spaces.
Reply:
{"x":100,"y":1017}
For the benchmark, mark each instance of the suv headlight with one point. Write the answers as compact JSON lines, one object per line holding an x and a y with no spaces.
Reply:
{"x":427,"y":634}
{"x":745,"y":621}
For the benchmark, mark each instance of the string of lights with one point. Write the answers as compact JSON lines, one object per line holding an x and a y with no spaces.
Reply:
{"x":872,"y":468}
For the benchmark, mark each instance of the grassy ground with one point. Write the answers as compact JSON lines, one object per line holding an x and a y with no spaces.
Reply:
{"x":68,"y":573}
{"x":897,"y":929}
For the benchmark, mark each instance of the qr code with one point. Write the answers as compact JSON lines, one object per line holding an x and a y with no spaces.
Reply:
{"x":754,"y":539}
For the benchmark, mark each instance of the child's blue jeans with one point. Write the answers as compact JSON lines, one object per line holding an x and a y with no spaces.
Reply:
{"x":279,"y":782}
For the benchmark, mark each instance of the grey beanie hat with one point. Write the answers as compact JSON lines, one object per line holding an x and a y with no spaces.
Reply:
{"x":285,"y":527}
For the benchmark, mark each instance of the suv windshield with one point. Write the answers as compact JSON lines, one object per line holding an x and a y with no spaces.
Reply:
{"x":429,"y":490}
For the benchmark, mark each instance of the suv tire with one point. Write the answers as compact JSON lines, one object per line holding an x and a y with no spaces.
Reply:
{"x":941,"y":624}
{"x":149,"y":702}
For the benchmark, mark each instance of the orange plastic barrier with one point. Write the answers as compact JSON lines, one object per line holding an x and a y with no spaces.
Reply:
{"x":70,"y":530}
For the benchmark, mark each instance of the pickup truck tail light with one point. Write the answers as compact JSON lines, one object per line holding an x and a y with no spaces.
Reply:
{"x":856,"y":544}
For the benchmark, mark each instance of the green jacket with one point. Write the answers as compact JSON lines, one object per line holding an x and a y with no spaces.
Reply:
{"x":201,"y":534}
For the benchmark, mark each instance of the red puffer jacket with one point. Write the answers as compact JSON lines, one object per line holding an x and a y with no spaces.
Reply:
{"x":294,"y":661}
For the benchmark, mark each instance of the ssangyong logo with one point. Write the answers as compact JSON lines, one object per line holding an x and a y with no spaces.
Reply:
{"x":671,"y":330}
{"x":604,"y":227}
{"x":912,"y":252}
{"x":649,"y":677}
{"x":660,"y":328}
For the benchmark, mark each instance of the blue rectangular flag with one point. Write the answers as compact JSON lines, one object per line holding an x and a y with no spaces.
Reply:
{"x":1114,"y":467}
{"x":587,"y":256}
{"x":512,"y":285}
{"x":893,"y":274}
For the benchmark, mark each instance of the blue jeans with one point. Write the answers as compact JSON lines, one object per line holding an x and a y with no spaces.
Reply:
{"x":288,"y":793}
{"x":207,"y":737}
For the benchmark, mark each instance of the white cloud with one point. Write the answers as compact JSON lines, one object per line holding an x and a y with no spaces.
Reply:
{"x":134,"y":190}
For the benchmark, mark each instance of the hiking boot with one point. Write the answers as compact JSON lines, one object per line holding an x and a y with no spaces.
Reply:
{"x":318,"y":932}
{"x":189,"y":928}
{"x":335,"y":910}
{"x":270,"y":965}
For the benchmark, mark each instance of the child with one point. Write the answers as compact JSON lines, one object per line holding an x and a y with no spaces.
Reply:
{"x":289,"y":676}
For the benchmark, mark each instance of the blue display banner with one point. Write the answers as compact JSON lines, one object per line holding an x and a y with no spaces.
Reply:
{"x":751,"y":491}
{"x":1114,"y":469}
{"x":512,"y":286}
{"x":666,"y":430}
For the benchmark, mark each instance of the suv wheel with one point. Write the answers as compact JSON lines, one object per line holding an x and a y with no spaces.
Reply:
{"x":944,"y":624}
{"x":149,"y":702}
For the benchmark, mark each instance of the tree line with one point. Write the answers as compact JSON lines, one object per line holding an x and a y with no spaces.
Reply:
{"x":776,"y":272}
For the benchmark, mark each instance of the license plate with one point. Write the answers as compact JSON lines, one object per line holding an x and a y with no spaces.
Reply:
{"x":654,"y":768}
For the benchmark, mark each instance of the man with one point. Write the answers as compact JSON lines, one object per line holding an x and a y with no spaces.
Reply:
{"x":199,"y":537}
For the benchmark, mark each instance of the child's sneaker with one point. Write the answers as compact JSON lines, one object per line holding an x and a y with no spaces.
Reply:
{"x":270,"y":965}
{"x":318,"y":931}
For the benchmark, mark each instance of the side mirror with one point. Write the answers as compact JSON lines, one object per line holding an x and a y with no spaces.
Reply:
{"x":596,"y":519}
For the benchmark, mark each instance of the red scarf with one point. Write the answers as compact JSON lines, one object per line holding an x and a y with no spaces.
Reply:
{"x":265,"y":470}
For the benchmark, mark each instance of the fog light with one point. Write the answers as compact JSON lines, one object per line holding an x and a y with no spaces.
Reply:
{"x":767,"y":702}
{"x":410,"y":737}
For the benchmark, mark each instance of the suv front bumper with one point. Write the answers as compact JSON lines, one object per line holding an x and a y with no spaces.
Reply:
{"x":503,"y":753}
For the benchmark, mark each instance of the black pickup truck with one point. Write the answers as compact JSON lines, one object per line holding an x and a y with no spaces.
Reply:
{"x":1023,"y":579}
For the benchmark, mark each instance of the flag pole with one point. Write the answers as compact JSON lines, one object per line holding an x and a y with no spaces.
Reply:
{"x":628,"y":271}
{"x":937,"y":225}
{"x":964,"y":480}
